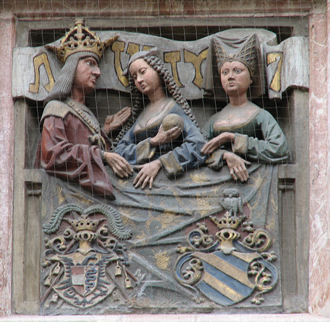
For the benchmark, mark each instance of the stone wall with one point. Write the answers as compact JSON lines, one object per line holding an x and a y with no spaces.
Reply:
{"x":319,"y":253}
{"x":7,"y":40}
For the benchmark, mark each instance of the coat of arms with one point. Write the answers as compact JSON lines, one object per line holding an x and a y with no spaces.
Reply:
{"x":225,"y":270}
{"x":84,"y":262}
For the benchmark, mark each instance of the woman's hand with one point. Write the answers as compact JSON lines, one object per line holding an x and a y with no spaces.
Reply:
{"x":147,"y":174}
{"x":236,"y":165}
{"x":164,"y":137}
{"x":216,"y":142}
{"x":118,"y":164}
{"x":112,"y":122}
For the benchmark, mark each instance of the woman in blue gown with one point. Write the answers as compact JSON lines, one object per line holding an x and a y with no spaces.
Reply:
{"x":146,"y":143}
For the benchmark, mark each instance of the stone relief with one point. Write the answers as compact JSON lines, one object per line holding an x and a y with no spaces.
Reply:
{"x":160,"y":219}
{"x":220,"y":267}
{"x":84,"y":262}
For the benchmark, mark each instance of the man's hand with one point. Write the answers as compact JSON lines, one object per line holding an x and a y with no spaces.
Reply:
{"x":216,"y":142}
{"x":118,"y":164}
{"x":147,"y":174}
{"x":164,"y":137}
{"x":113,"y":122}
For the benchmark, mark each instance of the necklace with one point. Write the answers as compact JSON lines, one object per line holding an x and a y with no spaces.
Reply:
{"x":87,"y":117}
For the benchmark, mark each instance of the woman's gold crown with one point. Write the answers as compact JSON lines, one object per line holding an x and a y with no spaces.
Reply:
{"x":80,"y":39}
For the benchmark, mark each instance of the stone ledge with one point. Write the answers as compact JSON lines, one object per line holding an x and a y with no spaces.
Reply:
{"x":170,"y":317}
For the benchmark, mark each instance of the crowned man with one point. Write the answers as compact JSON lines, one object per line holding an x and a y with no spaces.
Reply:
{"x":73,"y":146}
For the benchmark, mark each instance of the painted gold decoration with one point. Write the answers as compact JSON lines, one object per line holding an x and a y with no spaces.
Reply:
{"x":196,"y":61}
{"x":79,"y":39}
{"x":162,"y":259}
{"x":172,"y":120}
{"x":38,"y":61}
{"x":275,"y":58}
{"x":173,"y":58}
{"x":227,"y":221}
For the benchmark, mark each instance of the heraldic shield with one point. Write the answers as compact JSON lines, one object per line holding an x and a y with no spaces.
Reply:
{"x":84,"y":279}
{"x":226,"y":271}
{"x":225,"y":279}
{"x":84,"y":262}
{"x":86,"y":283}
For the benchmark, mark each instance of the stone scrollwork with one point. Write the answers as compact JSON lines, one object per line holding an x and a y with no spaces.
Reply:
{"x":258,"y":239}
{"x":193,"y":272}
{"x":199,"y":237}
{"x":265,"y":278}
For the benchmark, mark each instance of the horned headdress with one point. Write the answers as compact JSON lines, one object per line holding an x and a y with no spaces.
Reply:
{"x":245,"y":50}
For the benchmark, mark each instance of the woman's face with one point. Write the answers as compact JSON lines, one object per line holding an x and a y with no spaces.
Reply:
{"x":145,"y":77}
{"x":235,"y":78}
{"x":87,"y":73}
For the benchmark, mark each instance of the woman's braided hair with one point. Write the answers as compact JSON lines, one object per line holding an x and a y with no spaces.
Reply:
{"x":170,"y":86}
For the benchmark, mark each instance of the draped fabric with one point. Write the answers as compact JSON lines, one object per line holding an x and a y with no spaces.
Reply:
{"x":160,"y":219}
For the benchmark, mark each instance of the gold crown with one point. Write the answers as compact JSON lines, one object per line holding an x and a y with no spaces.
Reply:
{"x":80,"y":39}
{"x":84,"y":223}
{"x":227,"y":221}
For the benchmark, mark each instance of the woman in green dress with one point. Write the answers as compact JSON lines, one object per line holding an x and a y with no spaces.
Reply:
{"x":241,"y":132}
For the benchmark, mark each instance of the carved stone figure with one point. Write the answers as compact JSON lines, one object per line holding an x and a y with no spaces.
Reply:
{"x":243,"y":131}
{"x":73,"y":146}
{"x":146,"y":142}
{"x":232,"y":202}
{"x":239,"y":134}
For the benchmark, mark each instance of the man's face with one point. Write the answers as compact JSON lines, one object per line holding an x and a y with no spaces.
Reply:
{"x":87,"y":74}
